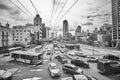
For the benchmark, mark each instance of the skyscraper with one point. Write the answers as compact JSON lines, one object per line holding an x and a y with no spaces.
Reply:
{"x":37,"y":20}
{"x":65,"y":28}
{"x":43,"y":30}
{"x":116,"y":20}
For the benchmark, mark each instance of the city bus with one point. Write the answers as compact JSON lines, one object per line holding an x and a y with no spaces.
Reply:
{"x":108,"y":66}
{"x":27,"y":57}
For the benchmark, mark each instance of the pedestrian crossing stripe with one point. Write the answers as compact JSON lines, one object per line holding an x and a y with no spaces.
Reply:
{"x":37,"y":70}
{"x":34,"y":78}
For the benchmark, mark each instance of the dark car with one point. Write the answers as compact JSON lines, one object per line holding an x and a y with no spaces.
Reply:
{"x":78,"y":62}
{"x":72,"y":69}
{"x":62,"y":59}
{"x":83,"y":77}
{"x":111,"y":57}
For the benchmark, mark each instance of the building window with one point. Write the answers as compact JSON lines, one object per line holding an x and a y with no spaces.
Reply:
{"x":26,"y":39}
{"x":20,"y":39}
{"x":16,"y":39}
{"x":20,"y":33}
{"x":20,"y":36}
{"x":17,"y":36}
{"x":17,"y":33}
{"x":24,"y":30}
{"x":20,"y":30}
{"x":16,"y":30}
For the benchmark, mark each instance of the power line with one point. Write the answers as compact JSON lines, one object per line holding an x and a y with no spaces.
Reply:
{"x":24,"y":7}
{"x":66,"y":11}
{"x":52,"y":11}
{"x":57,"y":8}
{"x":34,"y":6}
{"x":19,"y":8}
{"x":61,"y":10}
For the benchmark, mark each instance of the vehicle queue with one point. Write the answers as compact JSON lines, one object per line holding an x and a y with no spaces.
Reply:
{"x":79,"y":60}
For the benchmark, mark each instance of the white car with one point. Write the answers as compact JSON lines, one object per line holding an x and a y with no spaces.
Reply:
{"x":54,"y":70}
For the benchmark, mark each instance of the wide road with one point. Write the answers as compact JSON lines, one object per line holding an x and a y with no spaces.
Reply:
{"x":41,"y":71}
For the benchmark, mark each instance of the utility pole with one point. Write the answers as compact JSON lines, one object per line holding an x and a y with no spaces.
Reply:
{"x":93,"y":48}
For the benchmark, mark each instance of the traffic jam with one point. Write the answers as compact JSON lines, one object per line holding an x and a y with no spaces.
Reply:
{"x":74,"y":61}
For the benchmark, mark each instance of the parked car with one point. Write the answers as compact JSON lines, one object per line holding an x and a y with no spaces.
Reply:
{"x":54,"y":70}
{"x":92,"y":59}
{"x":78,"y":62}
{"x":5,"y":75}
{"x":83,"y":77}
{"x":80,"y":54}
{"x":62,"y":59}
{"x":72,"y":69}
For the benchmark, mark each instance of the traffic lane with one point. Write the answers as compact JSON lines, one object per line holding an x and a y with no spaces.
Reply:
{"x":47,"y":73}
{"x":93,"y":71}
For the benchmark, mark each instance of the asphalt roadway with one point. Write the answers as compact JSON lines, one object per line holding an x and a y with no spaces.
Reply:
{"x":41,"y":72}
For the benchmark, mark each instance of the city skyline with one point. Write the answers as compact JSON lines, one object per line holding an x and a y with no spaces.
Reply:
{"x":87,"y":13}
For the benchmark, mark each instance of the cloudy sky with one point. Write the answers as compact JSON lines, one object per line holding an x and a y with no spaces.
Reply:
{"x":87,"y":13}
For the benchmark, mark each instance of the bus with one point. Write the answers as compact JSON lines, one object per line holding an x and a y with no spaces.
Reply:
{"x":28,"y":57}
{"x":108,"y":66}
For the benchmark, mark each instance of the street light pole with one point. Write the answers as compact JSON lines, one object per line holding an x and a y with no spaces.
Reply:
{"x":93,"y":48}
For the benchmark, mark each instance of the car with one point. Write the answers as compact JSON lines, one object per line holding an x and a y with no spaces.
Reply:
{"x":80,"y":54}
{"x":92,"y":59}
{"x":54,"y":70}
{"x":79,"y":62}
{"x":83,"y":77}
{"x":62,"y":59}
{"x":49,"y":52}
{"x":5,"y":75}
{"x":72,"y":69}
{"x":111,"y":57}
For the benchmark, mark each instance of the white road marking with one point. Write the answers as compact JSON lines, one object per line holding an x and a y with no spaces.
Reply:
{"x":37,"y":70}
{"x":34,"y":78}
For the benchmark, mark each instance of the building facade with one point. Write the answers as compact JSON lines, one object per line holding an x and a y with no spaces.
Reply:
{"x":21,"y":35}
{"x":65,"y":28}
{"x":115,"y":20}
{"x":79,"y":36}
{"x":6,"y":36}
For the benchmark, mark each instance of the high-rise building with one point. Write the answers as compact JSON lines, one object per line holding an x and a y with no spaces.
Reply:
{"x":65,"y":28}
{"x":43,"y":30}
{"x":37,"y":20}
{"x":115,"y":19}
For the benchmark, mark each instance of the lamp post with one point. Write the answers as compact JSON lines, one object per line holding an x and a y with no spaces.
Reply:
{"x":93,"y":47}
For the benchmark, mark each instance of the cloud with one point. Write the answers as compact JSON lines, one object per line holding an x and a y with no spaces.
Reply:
{"x":4,"y":7}
{"x":93,"y":16}
{"x":88,"y":24}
